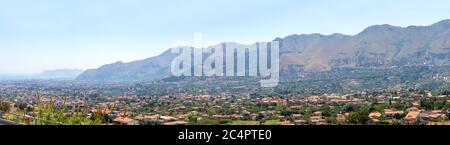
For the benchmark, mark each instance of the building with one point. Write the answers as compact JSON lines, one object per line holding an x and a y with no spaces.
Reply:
{"x":412,"y":116}
{"x":297,"y":116}
{"x":176,"y":123}
{"x":125,"y":121}
{"x":375,"y":115}
{"x":392,"y":112}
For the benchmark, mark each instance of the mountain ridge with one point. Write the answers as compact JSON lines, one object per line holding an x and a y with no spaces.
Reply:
{"x":376,"y":46}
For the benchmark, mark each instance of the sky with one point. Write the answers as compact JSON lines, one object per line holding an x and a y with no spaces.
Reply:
{"x":37,"y":35}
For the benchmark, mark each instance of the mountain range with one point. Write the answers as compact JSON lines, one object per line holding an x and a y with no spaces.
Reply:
{"x":57,"y":74}
{"x":378,"y":46}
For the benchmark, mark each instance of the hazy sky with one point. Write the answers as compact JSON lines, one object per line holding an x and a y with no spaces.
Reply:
{"x":38,"y":35}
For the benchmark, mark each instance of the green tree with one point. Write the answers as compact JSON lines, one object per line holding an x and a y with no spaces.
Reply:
{"x":349,"y":108}
{"x":4,"y":106}
{"x":353,"y":117}
{"x":21,"y":105}
{"x":332,"y":120}
{"x":247,"y":117}
{"x":192,"y":119}
{"x":360,"y":116}
{"x":260,"y":116}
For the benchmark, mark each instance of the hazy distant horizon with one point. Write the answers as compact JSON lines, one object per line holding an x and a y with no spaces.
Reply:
{"x":58,"y":74}
{"x":38,"y":73}
{"x":54,"y":34}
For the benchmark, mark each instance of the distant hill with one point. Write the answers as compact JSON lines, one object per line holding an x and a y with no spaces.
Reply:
{"x":58,"y":74}
{"x":150,"y":69}
{"x":378,"y":46}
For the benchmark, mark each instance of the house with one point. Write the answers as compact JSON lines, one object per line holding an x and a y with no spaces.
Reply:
{"x":318,"y":113}
{"x":101,"y":111}
{"x":125,"y":121}
{"x":392,"y":112}
{"x":340,"y":117}
{"x":442,"y":96}
{"x":296,"y":107}
{"x":245,"y":112}
{"x":237,"y":116}
{"x":181,"y":108}
{"x":285,"y":123}
{"x":373,"y":122}
{"x":435,"y":114}
{"x":176,"y":123}
{"x":167,"y":118}
{"x":148,"y":119}
{"x":297,"y":116}
{"x":317,"y":120}
{"x":375,"y":115}
{"x":300,"y":122}
{"x":413,"y":109}
{"x":412,"y":116}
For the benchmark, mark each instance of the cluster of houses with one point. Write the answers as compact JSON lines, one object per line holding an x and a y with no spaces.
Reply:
{"x":315,"y":119}
{"x":120,"y":108}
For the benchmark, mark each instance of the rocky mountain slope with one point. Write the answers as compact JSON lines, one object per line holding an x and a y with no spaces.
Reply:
{"x":377,"y":46}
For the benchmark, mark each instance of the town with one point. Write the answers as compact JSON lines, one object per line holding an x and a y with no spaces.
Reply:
{"x":52,"y":106}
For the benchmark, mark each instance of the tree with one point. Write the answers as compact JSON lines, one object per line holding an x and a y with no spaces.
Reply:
{"x":4,"y":106}
{"x":328,"y":111}
{"x":448,"y":115}
{"x":349,"y":108}
{"x":192,"y":119}
{"x":211,"y":112}
{"x":353,"y":117}
{"x":378,"y":107}
{"x":445,"y":92}
{"x":247,"y":117}
{"x":360,"y":116}
{"x":447,"y":106}
{"x":22,"y":106}
{"x":287,"y":112}
{"x":399,"y":116}
{"x":332,"y":120}
{"x":261,"y":116}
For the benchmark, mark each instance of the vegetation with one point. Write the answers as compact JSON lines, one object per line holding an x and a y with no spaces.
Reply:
{"x":4,"y":106}
{"x":46,"y":113}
